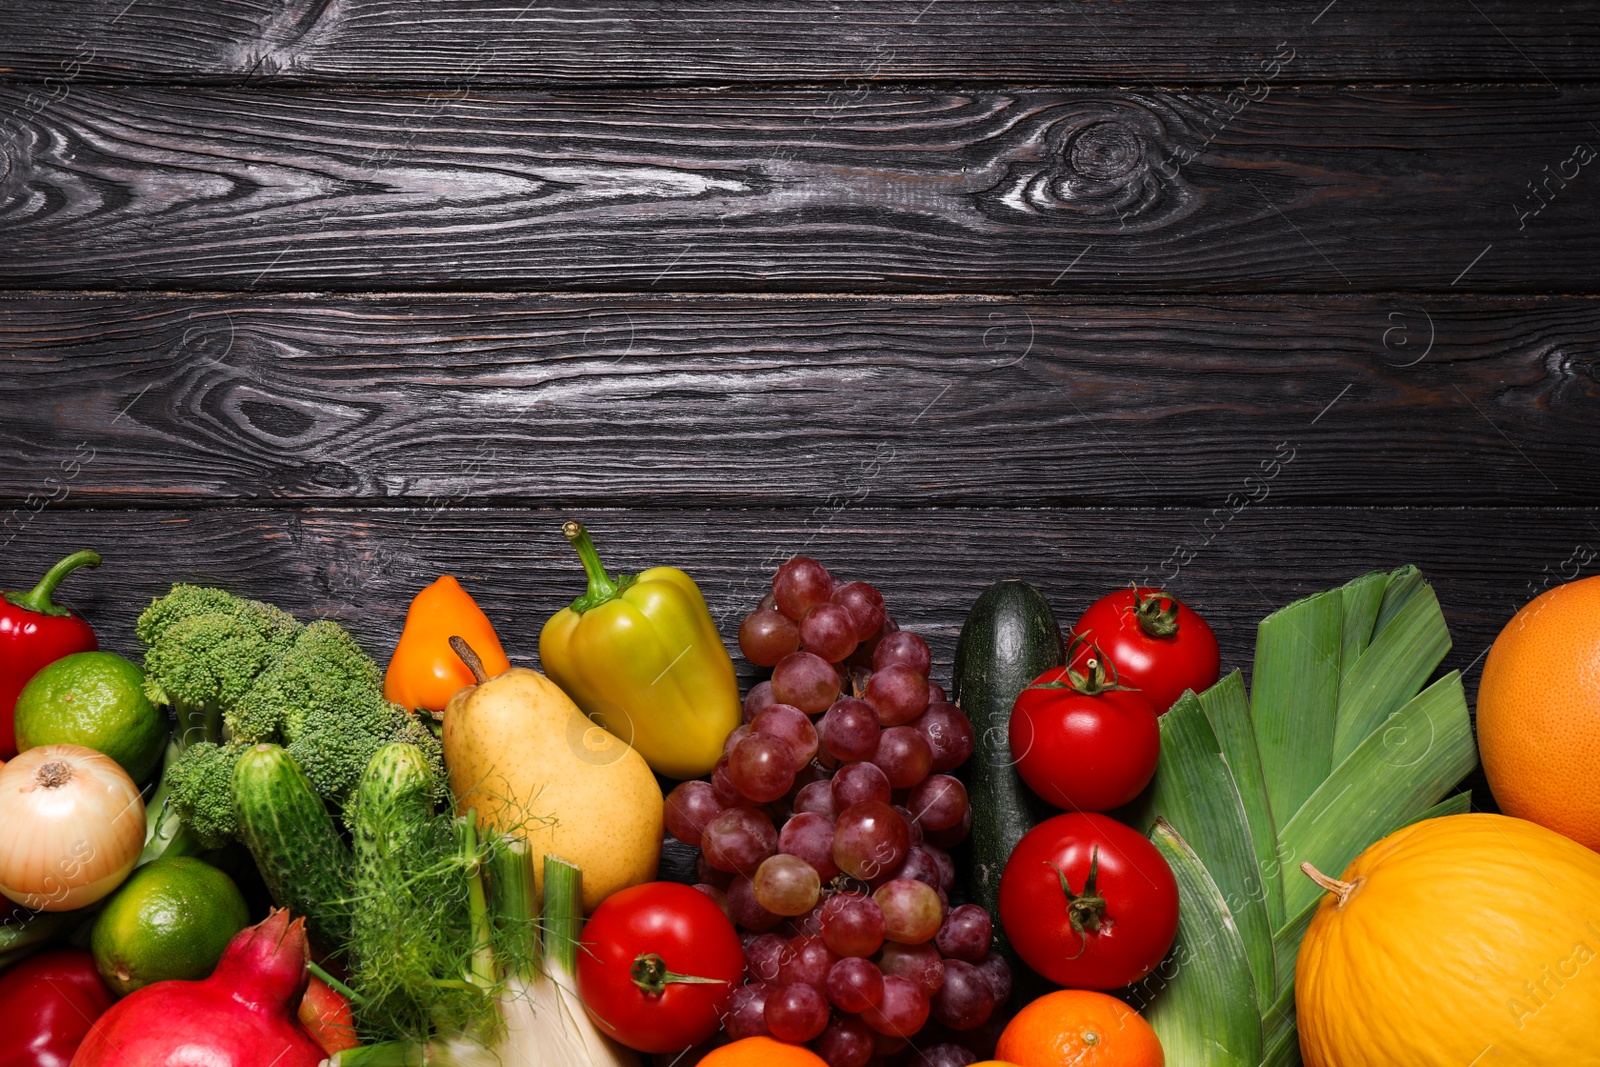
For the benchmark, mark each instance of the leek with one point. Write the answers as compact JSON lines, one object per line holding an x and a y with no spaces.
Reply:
{"x":1340,"y":743}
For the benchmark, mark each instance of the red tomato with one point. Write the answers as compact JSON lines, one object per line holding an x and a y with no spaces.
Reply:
{"x":1155,"y":643}
{"x":658,"y":966}
{"x":325,"y":1013}
{"x":1083,"y":747}
{"x":1088,"y":902}
{"x":47,"y":1005}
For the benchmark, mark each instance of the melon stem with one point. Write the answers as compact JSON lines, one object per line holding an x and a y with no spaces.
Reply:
{"x":1342,"y":890}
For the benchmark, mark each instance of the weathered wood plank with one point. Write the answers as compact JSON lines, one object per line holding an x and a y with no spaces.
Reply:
{"x":410,"y":42}
{"x":362,"y":567}
{"x":674,"y":401}
{"x":1114,"y":191}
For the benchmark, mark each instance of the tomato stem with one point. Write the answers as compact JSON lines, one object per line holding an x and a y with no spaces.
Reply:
{"x":1087,"y":909}
{"x":651,"y":975}
{"x":1155,"y":620}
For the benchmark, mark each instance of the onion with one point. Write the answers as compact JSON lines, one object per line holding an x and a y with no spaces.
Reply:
{"x":73,"y":827}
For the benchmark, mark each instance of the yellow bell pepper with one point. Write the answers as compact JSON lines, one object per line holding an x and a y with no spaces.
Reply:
{"x":641,"y":656}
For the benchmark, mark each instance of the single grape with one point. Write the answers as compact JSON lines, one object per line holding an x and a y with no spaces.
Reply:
{"x":865,"y":605}
{"x":897,"y":694}
{"x":806,"y":960}
{"x":911,"y":825}
{"x":791,"y":726}
{"x":799,"y":585}
{"x":966,"y":933}
{"x":747,"y":1012}
{"x":920,"y":963}
{"x":965,"y":1000}
{"x":947,"y":866}
{"x":847,"y":1042}
{"x":809,"y":837}
{"x":903,"y":755}
{"x":722,"y":786}
{"x":817,"y":797}
{"x":884,"y":1045}
{"x":902,"y":1011}
{"x":761,"y":767}
{"x":690,"y":808}
{"x":904,"y":648}
{"x":912,"y":912}
{"x":936,"y":694}
{"x":949,"y":735}
{"x":852,"y":924}
{"x":850,"y":730}
{"x":760,"y":696}
{"x":746,"y":910}
{"x":829,"y":631}
{"x":767,"y":602}
{"x":938,"y":802}
{"x":718,"y":897}
{"x":868,"y":838}
{"x":765,"y":637}
{"x":858,"y":782}
{"x":997,"y":972}
{"x":954,"y":835}
{"x":806,"y":681}
{"x":786,"y":885}
{"x":704,"y":872}
{"x":854,"y":984}
{"x":763,"y":954}
{"x":738,"y":840}
{"x":919,"y":865}
{"x":946,"y":1054}
{"x":796,"y":1013}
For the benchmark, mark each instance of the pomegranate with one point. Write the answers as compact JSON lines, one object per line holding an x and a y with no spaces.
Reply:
{"x":242,"y":1016}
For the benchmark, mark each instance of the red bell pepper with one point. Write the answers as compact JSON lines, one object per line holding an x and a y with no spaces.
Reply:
{"x":34,"y":632}
{"x":47,"y":1005}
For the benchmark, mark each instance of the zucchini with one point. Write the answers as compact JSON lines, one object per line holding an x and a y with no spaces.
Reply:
{"x":286,"y":827}
{"x":1009,"y":639}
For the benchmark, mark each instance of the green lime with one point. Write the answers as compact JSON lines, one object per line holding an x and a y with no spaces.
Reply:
{"x":171,"y":919}
{"x":93,"y":699}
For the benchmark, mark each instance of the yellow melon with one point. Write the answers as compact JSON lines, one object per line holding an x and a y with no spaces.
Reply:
{"x":1466,"y":941}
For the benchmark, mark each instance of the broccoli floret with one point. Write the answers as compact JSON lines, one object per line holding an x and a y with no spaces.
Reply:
{"x":323,"y":670}
{"x":206,"y":647}
{"x":200,"y":782}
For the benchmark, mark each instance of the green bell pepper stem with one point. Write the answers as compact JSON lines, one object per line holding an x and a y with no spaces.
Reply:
{"x":602,"y":587}
{"x":38,"y":599}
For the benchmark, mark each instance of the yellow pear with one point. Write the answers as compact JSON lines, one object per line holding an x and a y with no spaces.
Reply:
{"x":522,"y":753}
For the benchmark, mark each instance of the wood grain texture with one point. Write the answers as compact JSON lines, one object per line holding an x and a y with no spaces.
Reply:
{"x":361,"y":568}
{"x":411,"y":42}
{"x":1072,"y":191}
{"x":673,"y":401}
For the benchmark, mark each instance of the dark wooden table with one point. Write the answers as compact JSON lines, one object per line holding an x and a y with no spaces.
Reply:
{"x":320,"y":299}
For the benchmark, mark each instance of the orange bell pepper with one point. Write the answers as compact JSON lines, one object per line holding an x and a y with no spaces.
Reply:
{"x":425,"y":672}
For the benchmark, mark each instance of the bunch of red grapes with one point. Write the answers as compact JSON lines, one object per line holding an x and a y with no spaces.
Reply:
{"x":823,"y":832}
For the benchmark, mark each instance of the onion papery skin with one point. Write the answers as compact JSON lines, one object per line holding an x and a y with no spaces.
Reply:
{"x":65,"y":846}
{"x":1470,"y":939}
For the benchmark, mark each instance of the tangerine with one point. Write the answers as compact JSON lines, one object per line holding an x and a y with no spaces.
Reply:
{"x":1539,"y":712}
{"x":1079,"y":1028}
{"x":761,"y":1052}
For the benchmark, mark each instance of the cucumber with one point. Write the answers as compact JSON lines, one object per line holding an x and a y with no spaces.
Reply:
{"x":1009,"y":639}
{"x":302,"y":858}
{"x":390,"y":816}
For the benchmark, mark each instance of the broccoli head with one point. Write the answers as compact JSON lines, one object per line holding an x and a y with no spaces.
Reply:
{"x":200,"y":782}
{"x":323,"y":670}
{"x":206,"y":647}
{"x":335,"y":744}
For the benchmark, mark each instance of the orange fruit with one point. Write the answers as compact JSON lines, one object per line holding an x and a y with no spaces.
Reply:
{"x":1539,"y":712}
{"x":762,"y":1052}
{"x":1079,"y":1028}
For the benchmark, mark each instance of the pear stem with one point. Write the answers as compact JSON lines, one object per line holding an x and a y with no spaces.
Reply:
{"x":470,"y":658}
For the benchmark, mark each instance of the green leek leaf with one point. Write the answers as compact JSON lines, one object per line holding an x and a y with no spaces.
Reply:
{"x":1227,"y":708}
{"x":1395,"y":774}
{"x":1281,"y":1039}
{"x":1194,"y":792}
{"x":1391,"y":670}
{"x":1296,"y":698}
{"x":1204,"y":1007}
{"x":1359,"y":601}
